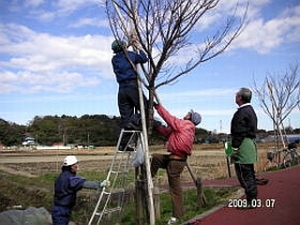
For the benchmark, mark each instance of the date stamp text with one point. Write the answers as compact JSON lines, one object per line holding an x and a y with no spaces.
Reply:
{"x":255,"y":203}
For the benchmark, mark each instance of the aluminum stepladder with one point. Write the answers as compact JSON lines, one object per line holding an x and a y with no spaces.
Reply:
{"x":110,"y":204}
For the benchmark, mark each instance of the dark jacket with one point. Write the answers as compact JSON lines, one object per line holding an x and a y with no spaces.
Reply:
{"x":243,"y":125}
{"x":66,"y":186}
{"x":123,"y":68}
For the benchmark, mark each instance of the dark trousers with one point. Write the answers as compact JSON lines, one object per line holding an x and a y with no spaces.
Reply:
{"x":246,"y":176}
{"x":174,"y":169}
{"x":128,"y":102}
{"x":60,"y":215}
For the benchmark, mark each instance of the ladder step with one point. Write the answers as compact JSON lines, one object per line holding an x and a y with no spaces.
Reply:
{"x":106,"y":211}
{"x":115,"y":191}
{"x":123,"y":152}
{"x":118,"y":172}
{"x":114,"y":197}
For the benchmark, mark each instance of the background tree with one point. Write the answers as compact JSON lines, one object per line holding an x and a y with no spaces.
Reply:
{"x":279,"y":95}
{"x":11,"y":134}
{"x":96,"y":130}
{"x":171,"y":35}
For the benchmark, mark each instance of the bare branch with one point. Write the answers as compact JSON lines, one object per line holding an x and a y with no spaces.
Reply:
{"x":165,"y":29}
{"x":280,"y":95}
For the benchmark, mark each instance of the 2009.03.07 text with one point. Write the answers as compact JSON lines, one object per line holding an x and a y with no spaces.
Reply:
{"x":256,"y":203}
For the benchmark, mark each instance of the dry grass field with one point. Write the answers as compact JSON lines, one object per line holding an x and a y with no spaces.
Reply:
{"x":208,"y":161}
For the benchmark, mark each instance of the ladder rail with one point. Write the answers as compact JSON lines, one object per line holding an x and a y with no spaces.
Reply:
{"x":96,"y":207}
{"x":117,"y":176}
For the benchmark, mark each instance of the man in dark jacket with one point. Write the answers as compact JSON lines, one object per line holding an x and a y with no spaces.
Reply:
{"x":243,"y":132}
{"x":65,"y":189}
{"x":124,"y":64}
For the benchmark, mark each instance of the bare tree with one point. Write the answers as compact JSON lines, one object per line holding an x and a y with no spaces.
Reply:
{"x":169,"y":32}
{"x":278,"y":96}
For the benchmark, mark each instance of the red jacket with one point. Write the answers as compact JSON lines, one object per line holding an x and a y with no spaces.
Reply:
{"x":180,"y":133}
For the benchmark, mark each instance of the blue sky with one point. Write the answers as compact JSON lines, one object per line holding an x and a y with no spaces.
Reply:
{"x":55,"y":59}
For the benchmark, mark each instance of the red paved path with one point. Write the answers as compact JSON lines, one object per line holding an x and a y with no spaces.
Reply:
{"x":283,"y":186}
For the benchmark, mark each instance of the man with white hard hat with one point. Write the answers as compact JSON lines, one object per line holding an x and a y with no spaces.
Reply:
{"x":65,"y":189}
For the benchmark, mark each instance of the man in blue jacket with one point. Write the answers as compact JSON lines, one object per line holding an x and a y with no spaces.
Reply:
{"x":65,"y":189}
{"x":124,"y":64}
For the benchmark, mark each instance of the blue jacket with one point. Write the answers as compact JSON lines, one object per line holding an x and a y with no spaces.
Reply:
{"x":122,"y":67}
{"x":66,"y":186}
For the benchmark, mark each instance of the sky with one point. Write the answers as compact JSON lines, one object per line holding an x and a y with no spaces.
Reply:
{"x":55,"y":59}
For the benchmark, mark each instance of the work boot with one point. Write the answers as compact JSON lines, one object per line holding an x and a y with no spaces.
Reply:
{"x":126,"y":148}
{"x":248,"y":206}
{"x":261,"y":181}
{"x":132,"y":126}
{"x":172,"y":220}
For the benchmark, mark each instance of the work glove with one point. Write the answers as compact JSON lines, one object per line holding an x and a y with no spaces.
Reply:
{"x":228,"y":148}
{"x":155,"y":105}
{"x":136,"y":44}
{"x":234,"y":156}
{"x":95,"y":185}
{"x":156,"y":124}
{"x":105,"y":183}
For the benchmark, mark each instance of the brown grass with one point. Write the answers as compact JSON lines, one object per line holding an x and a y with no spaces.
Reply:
{"x":207,"y":161}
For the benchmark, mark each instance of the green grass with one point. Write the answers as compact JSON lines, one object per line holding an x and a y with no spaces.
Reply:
{"x":38,"y":192}
{"x":214,"y":196}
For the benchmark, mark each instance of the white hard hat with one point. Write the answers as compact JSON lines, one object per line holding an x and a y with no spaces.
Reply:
{"x":70,"y":160}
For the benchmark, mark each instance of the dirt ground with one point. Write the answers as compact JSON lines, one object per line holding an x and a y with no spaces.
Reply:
{"x":207,"y":161}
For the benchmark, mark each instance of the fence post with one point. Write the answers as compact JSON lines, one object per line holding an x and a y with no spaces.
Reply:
{"x":201,"y":201}
{"x":156,"y":193}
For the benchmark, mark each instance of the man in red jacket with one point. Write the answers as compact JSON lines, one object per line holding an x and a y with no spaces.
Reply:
{"x":180,"y":134}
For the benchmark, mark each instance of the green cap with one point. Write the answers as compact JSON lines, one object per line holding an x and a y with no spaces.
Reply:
{"x":118,"y":45}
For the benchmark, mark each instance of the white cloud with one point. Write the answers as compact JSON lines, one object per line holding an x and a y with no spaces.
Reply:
{"x":260,"y":35}
{"x":72,"y":5}
{"x":37,"y":57}
{"x":227,"y":8}
{"x":83,"y":22}
{"x":263,"y":36}
{"x":28,"y":82}
{"x":291,"y":22}
{"x":46,"y":11}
